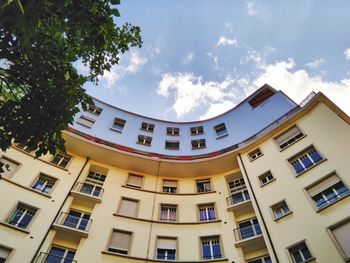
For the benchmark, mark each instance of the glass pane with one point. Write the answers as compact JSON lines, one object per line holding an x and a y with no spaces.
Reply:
{"x":298,"y":167}
{"x":307,"y":162}
{"x":297,"y":257}
{"x":160,"y":253}
{"x":216,"y":251}
{"x":306,"y":253}
{"x":212,"y":214}
{"x":206,"y":252}
{"x":315,"y":156}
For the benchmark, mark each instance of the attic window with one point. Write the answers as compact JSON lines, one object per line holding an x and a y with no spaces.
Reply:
{"x":261,"y":97}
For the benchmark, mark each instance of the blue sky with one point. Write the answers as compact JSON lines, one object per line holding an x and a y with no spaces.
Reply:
{"x":201,"y":57}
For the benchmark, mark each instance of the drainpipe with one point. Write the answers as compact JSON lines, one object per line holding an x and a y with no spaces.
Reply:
{"x":58,"y":212}
{"x":259,"y":210}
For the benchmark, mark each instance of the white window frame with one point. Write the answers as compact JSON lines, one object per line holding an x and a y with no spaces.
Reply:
{"x":198,"y":130}
{"x":47,"y":180}
{"x":169,"y":208}
{"x":27,"y":209}
{"x":266,"y":175}
{"x":220,"y":127}
{"x":65,"y":252}
{"x":202,"y":181}
{"x":118,"y":124}
{"x":255,"y":154}
{"x":280,"y":206}
{"x":305,"y":154}
{"x":95,"y":110}
{"x":290,"y":139}
{"x":198,"y":144}
{"x":144,"y":140}
{"x":61,"y":159}
{"x":212,"y":240}
{"x":292,"y":249}
{"x":206,"y":208}
{"x":145,"y":126}
{"x":173,"y":131}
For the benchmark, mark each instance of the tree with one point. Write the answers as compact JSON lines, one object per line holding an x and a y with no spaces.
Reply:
{"x":39,"y":86}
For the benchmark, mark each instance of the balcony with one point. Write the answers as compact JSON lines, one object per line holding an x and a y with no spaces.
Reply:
{"x":73,"y":225}
{"x":239,"y":202}
{"x":50,"y":258}
{"x":249,"y":237}
{"x":87,"y":192}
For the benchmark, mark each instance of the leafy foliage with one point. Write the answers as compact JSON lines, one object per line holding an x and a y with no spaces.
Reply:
{"x":39,"y":86}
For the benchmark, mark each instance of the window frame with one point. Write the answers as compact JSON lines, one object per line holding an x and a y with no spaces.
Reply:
{"x":135,"y":186}
{"x":172,"y":148}
{"x":176,"y":189}
{"x":54,"y":179}
{"x":203,"y":180}
{"x":197,"y":130}
{"x":207,"y":218}
{"x":278,"y":205}
{"x":255,"y":152}
{"x":303,"y":152}
{"x":137,"y":201}
{"x":262,"y":258}
{"x":319,"y":181}
{"x":145,"y":140}
{"x":169,"y":206}
{"x":289,"y":250}
{"x":303,"y":135}
{"x":211,"y":238}
{"x":12,"y":173}
{"x":13,"y":211}
{"x":129,"y":244}
{"x":65,"y":253}
{"x":172,"y":131}
{"x":176,"y":249}
{"x":88,"y":119}
{"x":264,"y":175}
{"x":218,"y":127}
{"x":118,"y":128}
{"x":63,"y":156}
{"x":93,"y":109}
{"x":9,"y":249}
{"x":148,"y":127}
{"x":334,"y":239}
{"x":201,"y":144}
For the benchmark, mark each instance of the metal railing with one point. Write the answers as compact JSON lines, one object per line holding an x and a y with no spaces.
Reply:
{"x":243,"y":233}
{"x":50,"y":258}
{"x":74,"y":222}
{"x":89,"y":189}
{"x":238,"y":197}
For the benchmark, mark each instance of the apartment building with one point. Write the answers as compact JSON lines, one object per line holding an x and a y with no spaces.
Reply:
{"x":267,"y":181}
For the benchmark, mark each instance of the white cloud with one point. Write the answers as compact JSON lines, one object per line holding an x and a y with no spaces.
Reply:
{"x":316,"y":63}
{"x":251,"y":9}
{"x":215,"y":60}
{"x":254,"y":56}
{"x":191,"y":92}
{"x":299,"y":83}
{"x":188,"y":58}
{"x":223,"y":41}
{"x":228,"y":25}
{"x":217,"y":108}
{"x":347,"y":54}
{"x":134,"y":62}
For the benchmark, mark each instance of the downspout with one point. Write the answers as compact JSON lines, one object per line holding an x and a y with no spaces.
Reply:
{"x":153,"y":210}
{"x":58,"y":212}
{"x":259,"y":210}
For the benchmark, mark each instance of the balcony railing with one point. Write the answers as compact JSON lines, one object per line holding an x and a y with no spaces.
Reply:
{"x":50,"y":258}
{"x":238,"y":197}
{"x":74,"y":222}
{"x":89,"y":189}
{"x":243,"y":233}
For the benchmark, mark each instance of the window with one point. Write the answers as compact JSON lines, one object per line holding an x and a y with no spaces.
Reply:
{"x":211,"y":247}
{"x":239,"y":196}
{"x":172,"y":145}
{"x":118,"y":124}
{"x":44,"y":184}
{"x":247,"y":229}
{"x":203,"y":185}
{"x":147,"y":127}
{"x":61,"y":160}
{"x":197,"y":130}
{"x":173,"y":131}
{"x":86,"y":121}
{"x":220,"y":130}
{"x":198,"y":144}
{"x":266,"y":178}
{"x":305,"y":160}
{"x":255,"y":154}
{"x":327,"y":191}
{"x":300,"y":253}
{"x":237,"y":184}
{"x":341,"y":234}
{"x":280,"y":210}
{"x":9,"y":167}
{"x":21,"y":216}
{"x":166,"y":248}
{"x":95,"y":110}
{"x":134,"y":180}
{"x":206,"y":212}
{"x":60,"y":255}
{"x":145,"y":140}
{"x":264,"y":259}
{"x":93,"y":183}
{"x":289,"y":137}
{"x":76,"y":219}
{"x":4,"y":254}
{"x":261,"y":97}
{"x":168,"y":212}
{"x":128,"y":207}
{"x":25,"y":148}
{"x":120,"y":242}
{"x":169,"y":186}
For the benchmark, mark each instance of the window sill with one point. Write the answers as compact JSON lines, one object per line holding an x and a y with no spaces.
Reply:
{"x":324,"y":207}
{"x":143,"y":144}
{"x":221,"y":136}
{"x":308,"y":169}
{"x":285,"y":215}
{"x":168,"y":148}
{"x":116,"y":130}
{"x":82,"y":124}
{"x":15,"y":228}
{"x":262,"y":185}
{"x":309,"y":260}
{"x":198,"y":148}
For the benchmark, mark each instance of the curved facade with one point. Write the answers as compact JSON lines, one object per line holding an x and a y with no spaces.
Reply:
{"x":264,"y":182}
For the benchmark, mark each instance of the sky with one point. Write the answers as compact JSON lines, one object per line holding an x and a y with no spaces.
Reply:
{"x":200,"y":58}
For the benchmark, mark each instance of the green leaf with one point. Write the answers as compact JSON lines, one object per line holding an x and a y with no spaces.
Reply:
{"x":66,"y":75}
